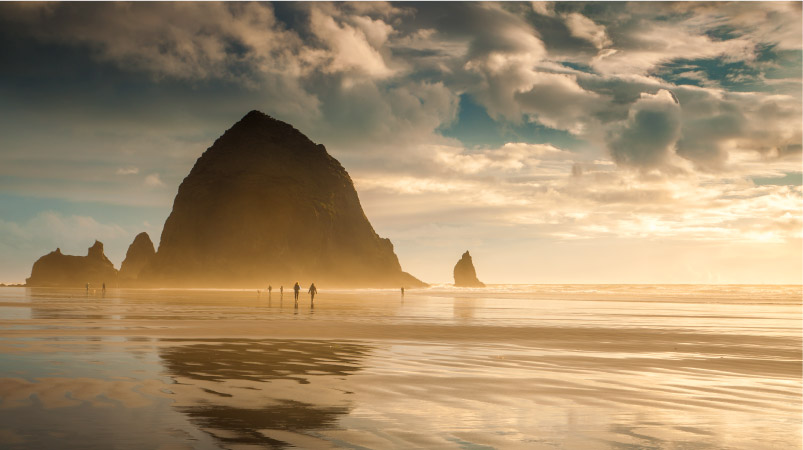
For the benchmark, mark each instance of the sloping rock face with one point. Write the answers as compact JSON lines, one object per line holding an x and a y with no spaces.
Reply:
{"x":58,"y":270}
{"x":265,"y":205}
{"x":140,"y":253}
{"x":464,"y":273}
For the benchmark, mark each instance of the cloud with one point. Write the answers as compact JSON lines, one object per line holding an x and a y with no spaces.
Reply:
{"x":557,"y":101}
{"x":352,"y":48}
{"x":584,"y":28}
{"x":517,"y":157}
{"x":127,"y":171}
{"x":153,"y":180}
{"x":718,"y":126}
{"x":511,"y":195}
{"x":647,"y":139}
{"x":203,"y":40}
{"x":543,"y":8}
{"x":503,"y":53}
{"x":368,"y":122}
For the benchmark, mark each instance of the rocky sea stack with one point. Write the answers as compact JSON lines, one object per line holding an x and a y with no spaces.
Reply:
{"x":264,"y":204}
{"x":140,"y":253}
{"x":464,"y":273}
{"x":57,"y":269}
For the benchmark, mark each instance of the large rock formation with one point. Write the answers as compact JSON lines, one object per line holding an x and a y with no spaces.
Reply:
{"x":140,"y":253}
{"x":264,"y":204}
{"x":464,"y":273}
{"x":57,"y":269}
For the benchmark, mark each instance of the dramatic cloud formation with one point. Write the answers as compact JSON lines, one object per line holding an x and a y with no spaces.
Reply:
{"x":584,"y":130}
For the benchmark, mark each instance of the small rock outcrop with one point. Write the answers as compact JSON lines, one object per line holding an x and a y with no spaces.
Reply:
{"x":464,"y":273}
{"x":140,"y":253}
{"x":266,"y":205}
{"x":58,"y":270}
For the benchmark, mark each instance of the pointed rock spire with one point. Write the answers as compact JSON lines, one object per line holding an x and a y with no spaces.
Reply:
{"x":464,"y":273}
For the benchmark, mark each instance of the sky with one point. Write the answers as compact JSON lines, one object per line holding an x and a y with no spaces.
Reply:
{"x":558,"y":142}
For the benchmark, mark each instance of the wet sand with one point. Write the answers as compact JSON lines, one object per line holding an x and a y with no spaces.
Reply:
{"x":608,"y":367}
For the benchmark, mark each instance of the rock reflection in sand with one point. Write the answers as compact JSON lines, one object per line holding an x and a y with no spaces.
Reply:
{"x":591,"y":367}
{"x":249,"y":392}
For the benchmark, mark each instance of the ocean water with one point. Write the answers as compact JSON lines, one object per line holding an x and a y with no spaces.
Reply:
{"x":521,"y":366}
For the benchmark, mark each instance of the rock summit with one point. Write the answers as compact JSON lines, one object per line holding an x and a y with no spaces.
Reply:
{"x":266,"y":205}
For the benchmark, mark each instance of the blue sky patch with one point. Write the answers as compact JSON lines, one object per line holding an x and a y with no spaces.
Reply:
{"x":475,"y":128}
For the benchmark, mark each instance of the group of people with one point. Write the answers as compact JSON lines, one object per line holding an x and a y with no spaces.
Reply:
{"x":103,"y":291}
{"x":296,"y":289}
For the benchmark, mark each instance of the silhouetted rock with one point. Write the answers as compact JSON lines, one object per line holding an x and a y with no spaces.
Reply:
{"x":59,"y":270}
{"x":464,"y":273}
{"x":140,"y":253}
{"x":264,"y":204}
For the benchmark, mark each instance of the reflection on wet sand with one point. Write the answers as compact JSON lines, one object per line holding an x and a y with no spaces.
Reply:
{"x":244,"y":391}
{"x":592,"y":367}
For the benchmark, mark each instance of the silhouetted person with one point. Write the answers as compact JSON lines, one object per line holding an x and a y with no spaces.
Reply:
{"x":402,"y":289}
{"x":281,"y":291}
{"x":270,"y":289}
{"x":312,"y":291}
{"x":104,"y":287}
{"x":296,"y":288}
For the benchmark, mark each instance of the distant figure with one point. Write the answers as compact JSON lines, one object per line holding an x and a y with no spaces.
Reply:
{"x":312,"y":291}
{"x":281,"y":291}
{"x":296,"y":288}
{"x":402,"y":289}
{"x":270,"y":288}
{"x":104,"y":287}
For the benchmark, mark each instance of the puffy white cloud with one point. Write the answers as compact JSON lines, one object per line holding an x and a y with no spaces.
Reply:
{"x":584,"y":28}
{"x":557,"y":101}
{"x":352,"y":48}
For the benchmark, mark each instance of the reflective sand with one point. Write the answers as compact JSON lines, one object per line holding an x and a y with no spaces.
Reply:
{"x":585,"y":367}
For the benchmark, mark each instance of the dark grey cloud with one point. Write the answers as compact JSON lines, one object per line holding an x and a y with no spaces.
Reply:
{"x":647,"y":139}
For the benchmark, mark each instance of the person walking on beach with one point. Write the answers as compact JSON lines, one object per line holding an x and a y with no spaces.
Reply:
{"x":296,"y":288}
{"x":281,"y":291}
{"x":312,"y":291}
{"x":104,"y":287}
{"x":402,"y":289}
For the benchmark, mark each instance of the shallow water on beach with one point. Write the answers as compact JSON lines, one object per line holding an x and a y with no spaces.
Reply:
{"x":552,"y":366}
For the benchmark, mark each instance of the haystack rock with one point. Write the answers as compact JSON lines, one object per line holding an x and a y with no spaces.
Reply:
{"x":140,"y":253}
{"x":59,"y":270}
{"x":265,"y":205}
{"x":464,"y":273}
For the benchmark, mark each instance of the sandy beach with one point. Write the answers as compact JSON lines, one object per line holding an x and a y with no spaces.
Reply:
{"x":586,"y":367}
